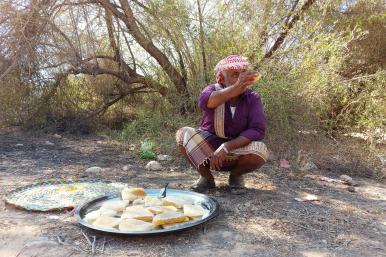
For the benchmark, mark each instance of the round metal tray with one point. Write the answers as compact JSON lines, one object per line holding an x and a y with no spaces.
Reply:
{"x":206,"y":202}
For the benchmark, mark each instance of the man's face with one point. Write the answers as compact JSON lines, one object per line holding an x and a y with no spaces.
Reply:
{"x":231,"y":76}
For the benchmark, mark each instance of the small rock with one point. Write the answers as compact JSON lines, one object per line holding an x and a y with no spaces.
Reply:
{"x":345,"y":178}
{"x":164,"y":157}
{"x":126,"y":167}
{"x":324,"y":242}
{"x":53,"y":217}
{"x":153,"y":165}
{"x":327,"y":179}
{"x":94,"y":169}
{"x":18,"y":145}
{"x":105,"y":137}
{"x":99,"y":142}
{"x":307,"y":198}
{"x":49,"y":143}
{"x":57,"y":136}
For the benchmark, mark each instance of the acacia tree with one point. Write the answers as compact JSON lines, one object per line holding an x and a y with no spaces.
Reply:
{"x":126,"y":40}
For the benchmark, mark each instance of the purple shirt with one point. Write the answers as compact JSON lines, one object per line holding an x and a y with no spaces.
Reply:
{"x":248,"y":120}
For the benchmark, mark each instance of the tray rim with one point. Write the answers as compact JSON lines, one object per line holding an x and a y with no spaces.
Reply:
{"x":211,"y":216}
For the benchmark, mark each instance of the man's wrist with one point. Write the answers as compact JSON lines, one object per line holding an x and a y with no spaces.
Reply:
{"x":223,"y":146}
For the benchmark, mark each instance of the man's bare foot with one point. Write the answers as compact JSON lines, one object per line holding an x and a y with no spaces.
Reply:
{"x":237,"y":185}
{"x":203,"y":184}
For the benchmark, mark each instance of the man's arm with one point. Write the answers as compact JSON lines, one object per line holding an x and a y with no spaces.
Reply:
{"x":237,"y":142}
{"x":221,"y":96}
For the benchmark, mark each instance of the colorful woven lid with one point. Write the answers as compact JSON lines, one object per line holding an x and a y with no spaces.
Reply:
{"x":59,"y":194}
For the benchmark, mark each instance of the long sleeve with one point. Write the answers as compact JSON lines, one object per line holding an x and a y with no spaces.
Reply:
{"x":204,"y":97}
{"x":256,"y":119}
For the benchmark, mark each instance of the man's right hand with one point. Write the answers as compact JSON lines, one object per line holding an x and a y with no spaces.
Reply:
{"x":245,"y":80}
{"x":221,"y":96}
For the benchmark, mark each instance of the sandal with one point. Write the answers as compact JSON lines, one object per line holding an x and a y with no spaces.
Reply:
{"x":203,"y":184}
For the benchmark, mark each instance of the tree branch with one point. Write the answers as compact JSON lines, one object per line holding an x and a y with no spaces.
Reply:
{"x":128,"y":18}
{"x":287,"y":26}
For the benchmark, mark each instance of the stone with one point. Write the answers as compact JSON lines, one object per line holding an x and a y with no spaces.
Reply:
{"x":346,"y":178}
{"x":94,"y":169}
{"x":126,"y":167}
{"x":164,"y":157}
{"x":57,"y":136}
{"x":19,"y":145}
{"x":307,"y":198}
{"x":49,"y":143}
{"x":153,"y":165}
{"x":105,"y":137}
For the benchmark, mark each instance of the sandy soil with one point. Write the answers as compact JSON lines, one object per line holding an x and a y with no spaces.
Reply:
{"x":267,"y":221}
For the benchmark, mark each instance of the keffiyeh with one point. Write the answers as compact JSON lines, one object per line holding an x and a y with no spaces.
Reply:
{"x":230,"y":62}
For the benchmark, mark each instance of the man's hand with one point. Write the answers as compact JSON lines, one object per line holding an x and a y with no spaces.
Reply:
{"x":218,"y":158}
{"x":245,"y":80}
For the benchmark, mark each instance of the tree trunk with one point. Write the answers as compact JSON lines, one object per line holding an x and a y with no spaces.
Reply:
{"x":200,"y":18}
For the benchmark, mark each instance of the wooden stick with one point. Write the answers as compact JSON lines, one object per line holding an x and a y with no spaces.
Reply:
{"x":103,"y":245}
{"x":85,"y":236}
{"x":93,"y":245}
{"x":265,"y":232}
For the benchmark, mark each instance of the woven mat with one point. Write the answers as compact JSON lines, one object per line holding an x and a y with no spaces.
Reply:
{"x":59,"y":194}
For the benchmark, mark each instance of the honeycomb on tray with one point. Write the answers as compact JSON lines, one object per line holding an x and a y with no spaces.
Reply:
{"x":137,"y":211}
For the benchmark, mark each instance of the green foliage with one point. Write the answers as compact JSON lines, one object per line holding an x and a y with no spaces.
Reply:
{"x":147,"y":150}
{"x":150,"y":128}
{"x":14,"y":100}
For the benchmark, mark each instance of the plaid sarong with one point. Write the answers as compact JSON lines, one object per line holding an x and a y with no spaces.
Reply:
{"x":200,"y":145}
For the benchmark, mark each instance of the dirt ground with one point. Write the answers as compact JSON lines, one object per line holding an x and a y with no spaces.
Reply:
{"x":267,"y":221}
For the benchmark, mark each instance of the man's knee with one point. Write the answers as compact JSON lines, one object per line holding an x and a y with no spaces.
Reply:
{"x":183,"y":133}
{"x":252,"y":160}
{"x":180,"y":135}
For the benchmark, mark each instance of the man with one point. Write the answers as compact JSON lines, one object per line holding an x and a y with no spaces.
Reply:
{"x":231,"y":130}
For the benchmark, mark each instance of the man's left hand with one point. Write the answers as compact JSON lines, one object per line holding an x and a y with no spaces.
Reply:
{"x":218,"y":158}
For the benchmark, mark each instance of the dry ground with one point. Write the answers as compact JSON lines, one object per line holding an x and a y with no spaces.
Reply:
{"x":264,"y":222}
